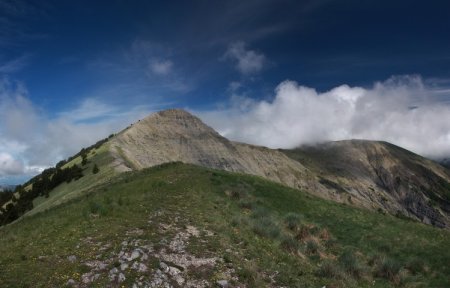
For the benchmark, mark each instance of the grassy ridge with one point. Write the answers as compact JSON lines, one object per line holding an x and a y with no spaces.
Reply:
{"x":267,"y":233}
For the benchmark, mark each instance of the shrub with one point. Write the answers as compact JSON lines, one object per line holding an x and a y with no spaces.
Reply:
{"x":351,"y":264}
{"x":330,"y":269}
{"x":289,"y":244}
{"x":265,"y":227}
{"x":95,"y":170}
{"x":312,"y":247}
{"x":388,"y":269}
{"x":97,"y":208}
{"x":303,"y":232}
{"x":293,"y":220}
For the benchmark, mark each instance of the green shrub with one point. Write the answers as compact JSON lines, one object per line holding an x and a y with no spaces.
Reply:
{"x":312,"y":247}
{"x":260,"y":212}
{"x":266,"y":227}
{"x":351,"y":264}
{"x":388,"y":268}
{"x":330,"y":269}
{"x":289,"y":244}
{"x":97,"y":208}
{"x":293,"y":221}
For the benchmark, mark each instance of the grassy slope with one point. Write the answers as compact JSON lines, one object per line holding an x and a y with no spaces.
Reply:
{"x":34,"y":250}
{"x":67,"y":191}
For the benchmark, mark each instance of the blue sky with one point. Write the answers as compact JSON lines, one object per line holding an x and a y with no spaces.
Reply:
{"x":88,"y":68}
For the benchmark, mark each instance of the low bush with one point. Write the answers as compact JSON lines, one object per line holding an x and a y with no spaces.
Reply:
{"x":351,"y":264}
{"x":266,"y":227}
{"x":312,"y":247}
{"x":330,"y":269}
{"x":289,"y":244}
{"x":293,"y":221}
{"x":388,"y":268}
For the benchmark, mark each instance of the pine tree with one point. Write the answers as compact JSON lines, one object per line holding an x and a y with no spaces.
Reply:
{"x":95,"y":170}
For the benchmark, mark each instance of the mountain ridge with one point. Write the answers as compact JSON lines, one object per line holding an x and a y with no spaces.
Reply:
{"x":176,"y":135}
{"x":374,"y":175}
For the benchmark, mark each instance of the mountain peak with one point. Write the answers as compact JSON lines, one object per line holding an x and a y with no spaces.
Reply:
{"x":171,"y":123}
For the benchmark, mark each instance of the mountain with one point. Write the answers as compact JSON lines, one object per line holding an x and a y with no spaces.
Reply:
{"x":126,"y":212}
{"x":176,"y":135}
{"x":381,"y":176}
{"x":370,"y":174}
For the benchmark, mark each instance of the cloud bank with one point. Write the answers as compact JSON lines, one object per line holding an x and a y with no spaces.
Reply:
{"x":401,"y":110}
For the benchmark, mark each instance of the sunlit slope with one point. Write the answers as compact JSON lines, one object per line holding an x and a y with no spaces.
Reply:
{"x":66,"y":191}
{"x":187,"y":226}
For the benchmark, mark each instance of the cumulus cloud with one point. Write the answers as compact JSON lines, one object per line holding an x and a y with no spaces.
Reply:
{"x":30,"y":140}
{"x":401,"y":110}
{"x":247,"y":61}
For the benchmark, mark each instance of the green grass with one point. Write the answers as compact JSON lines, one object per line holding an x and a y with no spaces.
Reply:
{"x":74,"y":189}
{"x":346,"y":240}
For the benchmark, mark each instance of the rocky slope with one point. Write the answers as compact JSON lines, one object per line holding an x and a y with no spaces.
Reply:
{"x":175,"y":135}
{"x":382,"y":176}
{"x":369,"y":174}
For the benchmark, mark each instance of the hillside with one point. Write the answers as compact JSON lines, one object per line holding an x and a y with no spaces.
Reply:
{"x":369,"y":174}
{"x":381,"y":176}
{"x":180,"y":225}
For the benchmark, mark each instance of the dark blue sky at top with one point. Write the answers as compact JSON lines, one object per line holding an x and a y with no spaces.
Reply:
{"x":67,"y":51}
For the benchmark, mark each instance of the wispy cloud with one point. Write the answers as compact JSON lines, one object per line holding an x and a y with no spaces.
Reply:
{"x":246,"y":61}
{"x":14,"y":65}
{"x":144,"y":63}
{"x":161,"y":67}
{"x":300,"y":115}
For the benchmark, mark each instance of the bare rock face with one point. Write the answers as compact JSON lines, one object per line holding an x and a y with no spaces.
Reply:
{"x":176,"y":135}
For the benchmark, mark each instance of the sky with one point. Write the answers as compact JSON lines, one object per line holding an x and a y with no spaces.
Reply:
{"x":273,"y":73}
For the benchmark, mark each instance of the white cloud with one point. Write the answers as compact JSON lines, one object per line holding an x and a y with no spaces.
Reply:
{"x":9,"y":165}
{"x":300,"y":115}
{"x":31,"y":141}
{"x":247,"y":61}
{"x":161,"y":67}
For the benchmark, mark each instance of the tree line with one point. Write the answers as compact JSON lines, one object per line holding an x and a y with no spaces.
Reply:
{"x":42,"y":184}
